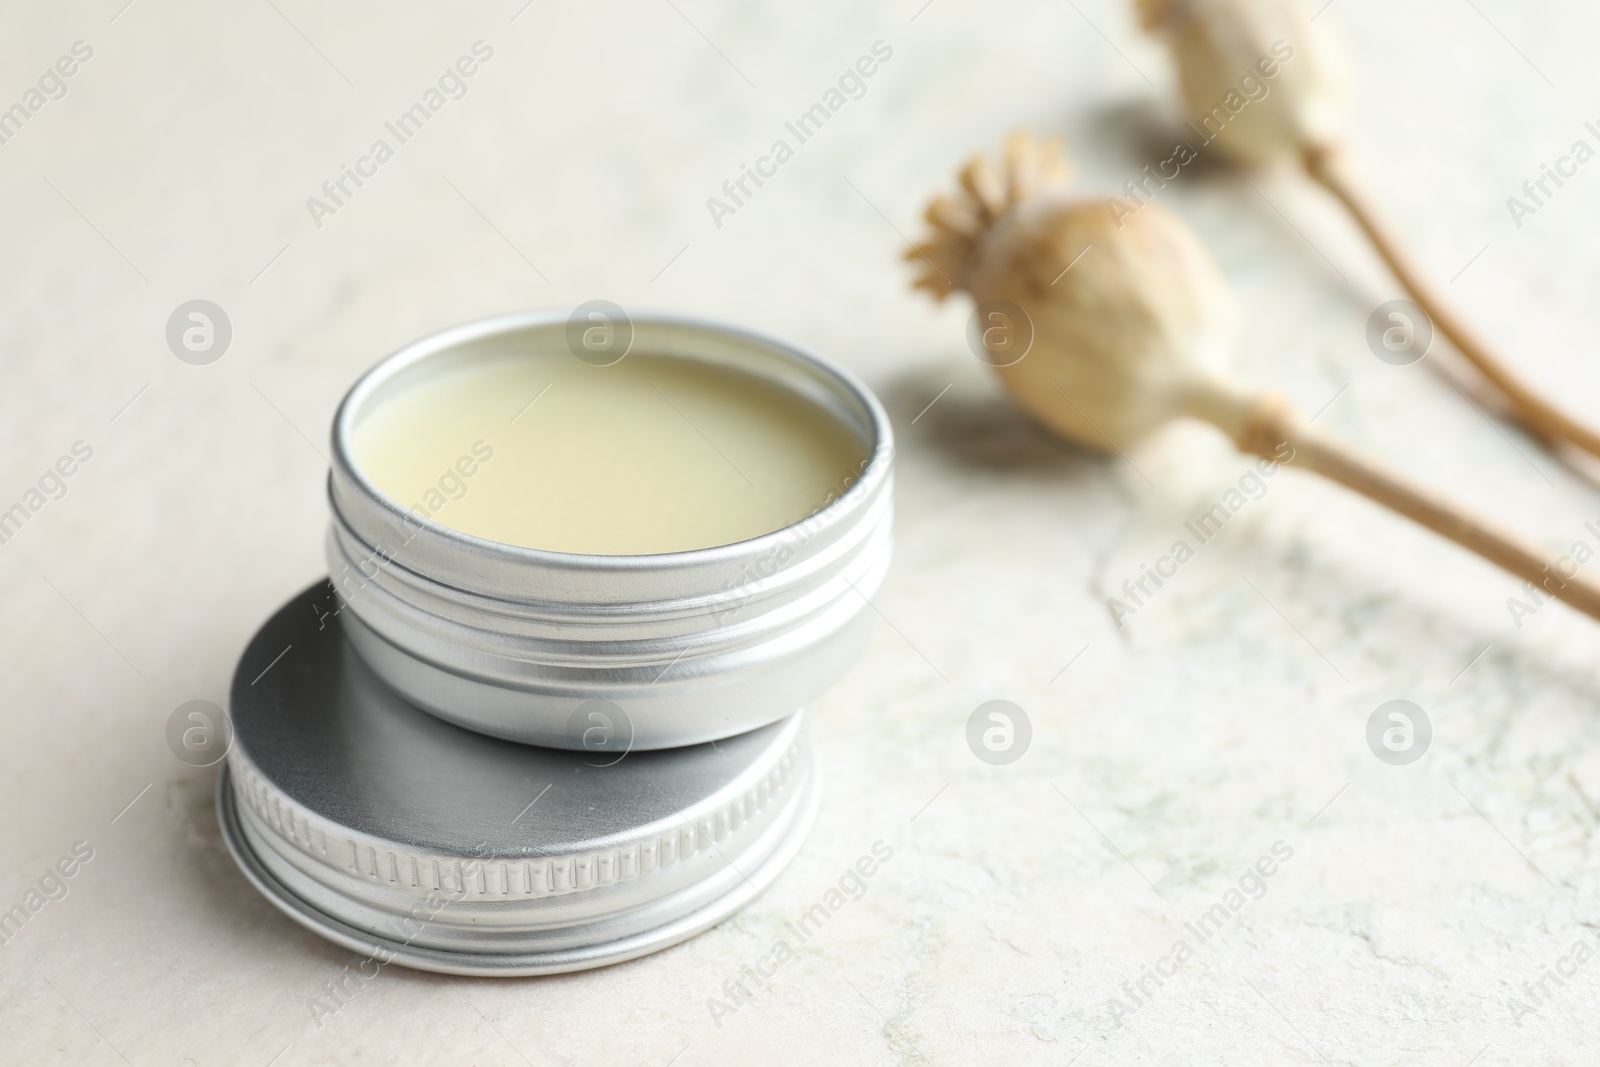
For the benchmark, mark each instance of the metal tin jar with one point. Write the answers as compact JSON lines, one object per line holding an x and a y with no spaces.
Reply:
{"x":670,"y":649}
{"x":416,"y":842}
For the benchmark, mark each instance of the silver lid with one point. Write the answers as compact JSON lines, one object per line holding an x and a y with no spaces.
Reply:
{"x":397,"y":834}
{"x":692,"y":646}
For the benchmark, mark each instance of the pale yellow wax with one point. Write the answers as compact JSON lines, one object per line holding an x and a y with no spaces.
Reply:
{"x":652,"y":454}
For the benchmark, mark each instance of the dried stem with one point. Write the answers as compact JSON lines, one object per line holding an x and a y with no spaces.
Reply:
{"x":1328,"y":169}
{"x":1261,"y":425}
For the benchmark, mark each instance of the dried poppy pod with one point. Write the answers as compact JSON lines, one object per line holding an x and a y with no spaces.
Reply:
{"x":1255,"y":75}
{"x":1266,"y":86}
{"x":1130,"y":329}
{"x":1118,"y":350}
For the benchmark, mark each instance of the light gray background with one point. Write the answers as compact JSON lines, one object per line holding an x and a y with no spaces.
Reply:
{"x":1164,"y":761}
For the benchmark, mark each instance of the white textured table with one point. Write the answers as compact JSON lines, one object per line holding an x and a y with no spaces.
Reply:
{"x":1229,"y":715}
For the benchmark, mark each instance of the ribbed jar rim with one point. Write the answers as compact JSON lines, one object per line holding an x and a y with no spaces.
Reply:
{"x":503,"y":570}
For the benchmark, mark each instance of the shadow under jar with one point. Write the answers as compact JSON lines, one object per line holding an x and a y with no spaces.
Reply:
{"x":608,"y":534}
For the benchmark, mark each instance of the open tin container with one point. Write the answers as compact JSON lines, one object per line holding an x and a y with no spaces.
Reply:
{"x":691,"y":646}
{"x":384,"y":788}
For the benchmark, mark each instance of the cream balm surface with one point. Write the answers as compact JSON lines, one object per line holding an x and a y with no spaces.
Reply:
{"x":652,"y":454}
